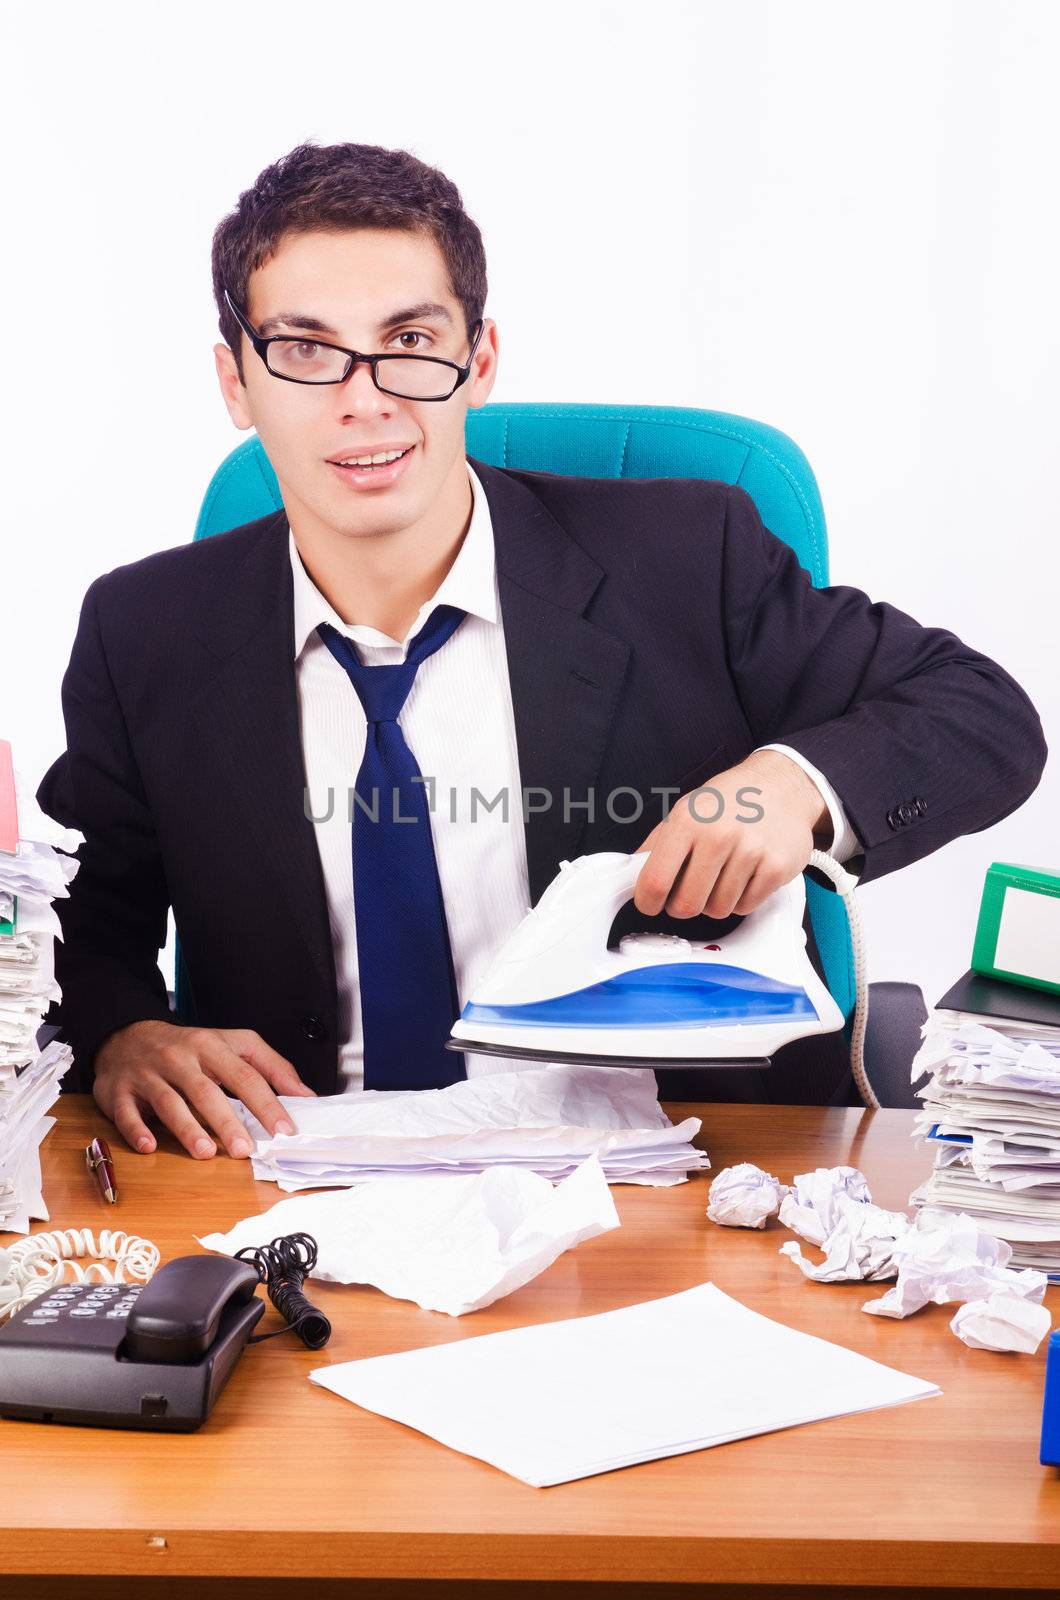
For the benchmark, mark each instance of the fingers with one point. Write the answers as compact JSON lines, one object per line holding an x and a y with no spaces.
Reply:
{"x":704,"y":862}
{"x":274,"y":1068}
{"x":184,"y":1077}
{"x":731,"y":884}
{"x":766,"y":880}
{"x":130,"y":1124}
{"x":247,"y":1084}
{"x":659,"y":872}
{"x":699,"y":878}
{"x":688,"y":851}
{"x":173,"y":1111}
{"x":184,"y":1094}
{"x":649,"y":842}
{"x":704,"y":878}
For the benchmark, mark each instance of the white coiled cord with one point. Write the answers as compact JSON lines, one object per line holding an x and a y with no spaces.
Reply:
{"x":40,"y":1262}
{"x":846,"y":883}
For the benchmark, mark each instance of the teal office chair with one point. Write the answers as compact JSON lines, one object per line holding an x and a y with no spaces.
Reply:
{"x":602,"y":441}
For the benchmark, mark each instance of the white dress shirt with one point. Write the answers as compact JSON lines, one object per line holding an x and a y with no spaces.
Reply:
{"x":464,"y":741}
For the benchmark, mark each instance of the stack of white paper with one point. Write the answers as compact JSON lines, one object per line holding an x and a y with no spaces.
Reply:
{"x":546,"y":1120}
{"x":30,"y":879}
{"x":992,"y":1116}
{"x":564,"y":1400}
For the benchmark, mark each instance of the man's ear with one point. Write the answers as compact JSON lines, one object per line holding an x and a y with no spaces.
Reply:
{"x":232,"y":389}
{"x":484,"y":366}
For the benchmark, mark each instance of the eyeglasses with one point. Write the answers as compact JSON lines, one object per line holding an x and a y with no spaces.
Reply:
{"x":410,"y":377}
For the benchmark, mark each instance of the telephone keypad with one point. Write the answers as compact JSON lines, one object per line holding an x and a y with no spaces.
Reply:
{"x":112,"y":1301}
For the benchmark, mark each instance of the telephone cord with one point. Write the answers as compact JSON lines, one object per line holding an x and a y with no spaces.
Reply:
{"x":41,"y":1261}
{"x":282,"y":1267}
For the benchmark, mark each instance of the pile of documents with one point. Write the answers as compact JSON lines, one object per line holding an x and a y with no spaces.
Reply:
{"x":992,"y":1116}
{"x":563,"y":1400}
{"x":546,"y":1120}
{"x":32,"y":875}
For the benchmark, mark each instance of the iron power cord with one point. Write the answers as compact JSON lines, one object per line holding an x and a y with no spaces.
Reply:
{"x":845,"y":884}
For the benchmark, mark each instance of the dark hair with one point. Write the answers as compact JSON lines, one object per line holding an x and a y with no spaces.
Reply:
{"x":341,"y":186}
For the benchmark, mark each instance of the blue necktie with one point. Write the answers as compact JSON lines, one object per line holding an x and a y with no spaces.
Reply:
{"x":408,"y":992}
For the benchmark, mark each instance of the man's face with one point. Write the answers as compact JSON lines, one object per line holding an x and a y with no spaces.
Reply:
{"x":356,"y":283}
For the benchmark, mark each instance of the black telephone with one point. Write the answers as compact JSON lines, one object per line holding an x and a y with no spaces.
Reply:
{"x":124,"y":1355}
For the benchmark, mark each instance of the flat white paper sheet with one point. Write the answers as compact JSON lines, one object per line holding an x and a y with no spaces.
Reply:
{"x":564,"y":1400}
{"x":452,"y":1244}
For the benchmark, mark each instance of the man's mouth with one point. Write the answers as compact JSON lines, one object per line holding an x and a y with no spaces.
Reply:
{"x":380,"y":459}
{"x":382,"y":467}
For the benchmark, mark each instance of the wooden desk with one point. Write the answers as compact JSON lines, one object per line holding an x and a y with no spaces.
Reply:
{"x":287,"y":1482}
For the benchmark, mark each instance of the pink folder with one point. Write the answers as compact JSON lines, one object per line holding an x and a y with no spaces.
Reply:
{"x":8,"y":808}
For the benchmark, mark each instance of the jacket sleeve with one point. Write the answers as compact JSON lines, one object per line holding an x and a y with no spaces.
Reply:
{"x":114,"y":920}
{"x":922,"y":738}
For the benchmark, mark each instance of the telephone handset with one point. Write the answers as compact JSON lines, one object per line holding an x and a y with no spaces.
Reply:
{"x":176,"y":1316}
{"x":127,"y":1355}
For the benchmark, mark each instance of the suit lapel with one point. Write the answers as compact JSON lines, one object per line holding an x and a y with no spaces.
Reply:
{"x":566,"y":673}
{"x":249,"y":723}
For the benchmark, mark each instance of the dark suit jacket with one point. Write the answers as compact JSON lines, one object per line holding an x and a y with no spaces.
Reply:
{"x":656,"y":633}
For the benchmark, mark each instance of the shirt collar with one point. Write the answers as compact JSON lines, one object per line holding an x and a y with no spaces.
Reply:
{"x":470,"y":584}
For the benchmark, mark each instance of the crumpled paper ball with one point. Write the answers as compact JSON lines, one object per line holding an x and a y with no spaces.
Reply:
{"x":1003,"y":1321}
{"x":812,"y":1207}
{"x":745,"y":1197}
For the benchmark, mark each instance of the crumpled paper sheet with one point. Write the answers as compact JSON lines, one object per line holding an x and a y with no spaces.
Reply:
{"x":949,"y":1258}
{"x":745,"y":1197}
{"x":1002,"y":1322}
{"x":452,"y":1244}
{"x":812,"y":1207}
{"x":860,"y":1245}
{"x":939,"y":1259}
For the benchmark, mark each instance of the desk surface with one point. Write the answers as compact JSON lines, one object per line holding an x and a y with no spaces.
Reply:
{"x":288,"y":1479}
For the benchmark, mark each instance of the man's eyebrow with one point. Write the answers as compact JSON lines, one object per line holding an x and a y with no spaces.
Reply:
{"x":426,"y":309}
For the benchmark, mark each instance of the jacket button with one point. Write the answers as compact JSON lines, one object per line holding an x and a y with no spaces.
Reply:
{"x":313,"y":1028}
{"x":906,"y":812}
{"x":920,"y":804}
{"x":892,"y":822}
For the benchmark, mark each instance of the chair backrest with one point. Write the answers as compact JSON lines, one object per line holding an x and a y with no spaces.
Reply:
{"x":604,"y":441}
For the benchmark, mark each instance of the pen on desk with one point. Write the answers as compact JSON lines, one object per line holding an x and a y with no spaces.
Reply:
{"x":99,"y":1163}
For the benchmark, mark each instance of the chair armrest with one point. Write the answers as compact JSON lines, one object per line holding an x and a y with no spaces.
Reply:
{"x":892,"y":1039}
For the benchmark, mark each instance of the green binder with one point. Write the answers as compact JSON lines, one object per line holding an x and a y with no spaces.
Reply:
{"x":1018,"y":934}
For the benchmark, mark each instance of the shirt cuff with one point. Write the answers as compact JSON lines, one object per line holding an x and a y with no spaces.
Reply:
{"x":845,"y":842}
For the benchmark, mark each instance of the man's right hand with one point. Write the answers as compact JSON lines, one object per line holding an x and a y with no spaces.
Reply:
{"x":181,"y":1074}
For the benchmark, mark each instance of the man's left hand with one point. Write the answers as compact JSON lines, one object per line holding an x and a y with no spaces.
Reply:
{"x":705,"y":859}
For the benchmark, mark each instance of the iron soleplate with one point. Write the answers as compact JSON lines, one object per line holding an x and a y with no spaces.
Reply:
{"x":569,"y":1058}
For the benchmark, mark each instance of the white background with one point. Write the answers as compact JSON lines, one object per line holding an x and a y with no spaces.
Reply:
{"x":840,"y":219}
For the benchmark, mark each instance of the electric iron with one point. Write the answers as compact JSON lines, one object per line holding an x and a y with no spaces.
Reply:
{"x":556,"y":992}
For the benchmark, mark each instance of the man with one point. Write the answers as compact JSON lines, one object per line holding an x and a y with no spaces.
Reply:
{"x":437,"y":630}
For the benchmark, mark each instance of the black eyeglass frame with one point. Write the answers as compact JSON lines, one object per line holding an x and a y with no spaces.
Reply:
{"x":261,"y":347}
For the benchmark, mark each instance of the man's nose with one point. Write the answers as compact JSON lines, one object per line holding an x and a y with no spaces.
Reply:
{"x":358,"y":393}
